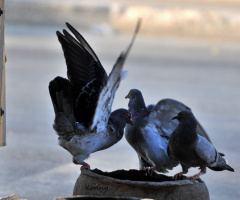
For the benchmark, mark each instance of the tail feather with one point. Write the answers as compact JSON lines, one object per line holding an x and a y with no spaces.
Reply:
{"x":60,"y":90}
{"x":227,"y":167}
{"x":221,"y":168}
{"x":221,"y":165}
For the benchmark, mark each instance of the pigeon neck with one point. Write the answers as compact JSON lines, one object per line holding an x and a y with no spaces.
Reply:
{"x":187,"y":132}
{"x":118,"y":124}
{"x":137,"y":108}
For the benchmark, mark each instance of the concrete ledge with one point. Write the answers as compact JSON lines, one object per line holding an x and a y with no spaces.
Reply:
{"x":185,"y":21}
{"x":200,"y":19}
{"x":55,"y":13}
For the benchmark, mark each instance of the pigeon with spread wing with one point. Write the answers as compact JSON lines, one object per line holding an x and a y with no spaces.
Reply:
{"x":82,"y":103}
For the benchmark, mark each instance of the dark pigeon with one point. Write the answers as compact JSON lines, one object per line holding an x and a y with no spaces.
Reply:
{"x":191,"y":149}
{"x":152,"y":127}
{"x":82,"y":103}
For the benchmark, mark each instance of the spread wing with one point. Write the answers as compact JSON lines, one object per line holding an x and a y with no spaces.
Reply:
{"x":85,"y":72}
{"x":161,"y":117}
{"x":107,"y":94}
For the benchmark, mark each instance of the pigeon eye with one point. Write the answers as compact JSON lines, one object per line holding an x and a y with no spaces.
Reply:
{"x":127,"y":115}
{"x":183,"y":114}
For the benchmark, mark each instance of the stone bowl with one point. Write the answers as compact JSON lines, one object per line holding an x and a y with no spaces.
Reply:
{"x":134,"y":183}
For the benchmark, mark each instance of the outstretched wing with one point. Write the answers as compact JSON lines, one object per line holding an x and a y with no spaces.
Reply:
{"x":161,"y":117}
{"x":107,"y":94}
{"x":85,"y":72}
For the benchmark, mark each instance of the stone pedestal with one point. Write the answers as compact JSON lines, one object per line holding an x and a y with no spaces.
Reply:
{"x":158,"y":187}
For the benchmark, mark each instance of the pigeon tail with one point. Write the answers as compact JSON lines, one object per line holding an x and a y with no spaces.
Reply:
{"x":60,"y":91}
{"x":227,"y":167}
{"x":222,"y":165}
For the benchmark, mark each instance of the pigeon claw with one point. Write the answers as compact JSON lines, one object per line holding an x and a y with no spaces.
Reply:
{"x":149,"y":170}
{"x":196,"y":176}
{"x":177,"y":176}
{"x":85,"y":166}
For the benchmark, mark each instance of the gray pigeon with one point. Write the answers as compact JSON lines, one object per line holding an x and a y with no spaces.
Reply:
{"x":152,"y":127}
{"x":191,"y":149}
{"x":82,"y":103}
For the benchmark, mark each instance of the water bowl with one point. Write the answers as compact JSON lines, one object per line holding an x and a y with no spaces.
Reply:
{"x":134,"y":183}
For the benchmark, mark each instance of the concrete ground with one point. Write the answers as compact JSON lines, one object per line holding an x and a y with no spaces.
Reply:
{"x":203,"y":74}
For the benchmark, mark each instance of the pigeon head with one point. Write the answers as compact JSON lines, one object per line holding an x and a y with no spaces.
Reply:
{"x":120,"y":117}
{"x":186,"y":116}
{"x":133,"y":94}
{"x":136,"y":104}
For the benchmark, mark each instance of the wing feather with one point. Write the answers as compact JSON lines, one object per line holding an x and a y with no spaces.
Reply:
{"x":162,"y":117}
{"x":85,"y":72}
{"x":205,"y":150}
{"x":107,"y":94}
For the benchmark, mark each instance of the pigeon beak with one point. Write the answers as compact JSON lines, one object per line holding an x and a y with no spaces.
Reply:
{"x":128,"y":96}
{"x":130,"y":122}
{"x":175,"y":117}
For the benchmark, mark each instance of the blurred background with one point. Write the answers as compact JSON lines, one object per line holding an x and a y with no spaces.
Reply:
{"x":188,"y":50}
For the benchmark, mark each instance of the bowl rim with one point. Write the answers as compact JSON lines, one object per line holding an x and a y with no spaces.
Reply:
{"x":141,"y":183}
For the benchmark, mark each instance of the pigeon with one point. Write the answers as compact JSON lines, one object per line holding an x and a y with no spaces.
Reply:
{"x":191,"y":149}
{"x":82,"y":102}
{"x":152,"y":127}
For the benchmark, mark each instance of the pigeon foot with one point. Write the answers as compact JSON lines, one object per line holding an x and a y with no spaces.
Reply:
{"x":177,"y":176}
{"x":84,"y":166}
{"x":149,"y":170}
{"x":194,"y":176}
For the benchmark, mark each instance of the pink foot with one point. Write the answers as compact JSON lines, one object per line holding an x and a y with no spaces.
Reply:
{"x":177,"y":176}
{"x":194,"y":176}
{"x":149,"y":170}
{"x":84,"y":166}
